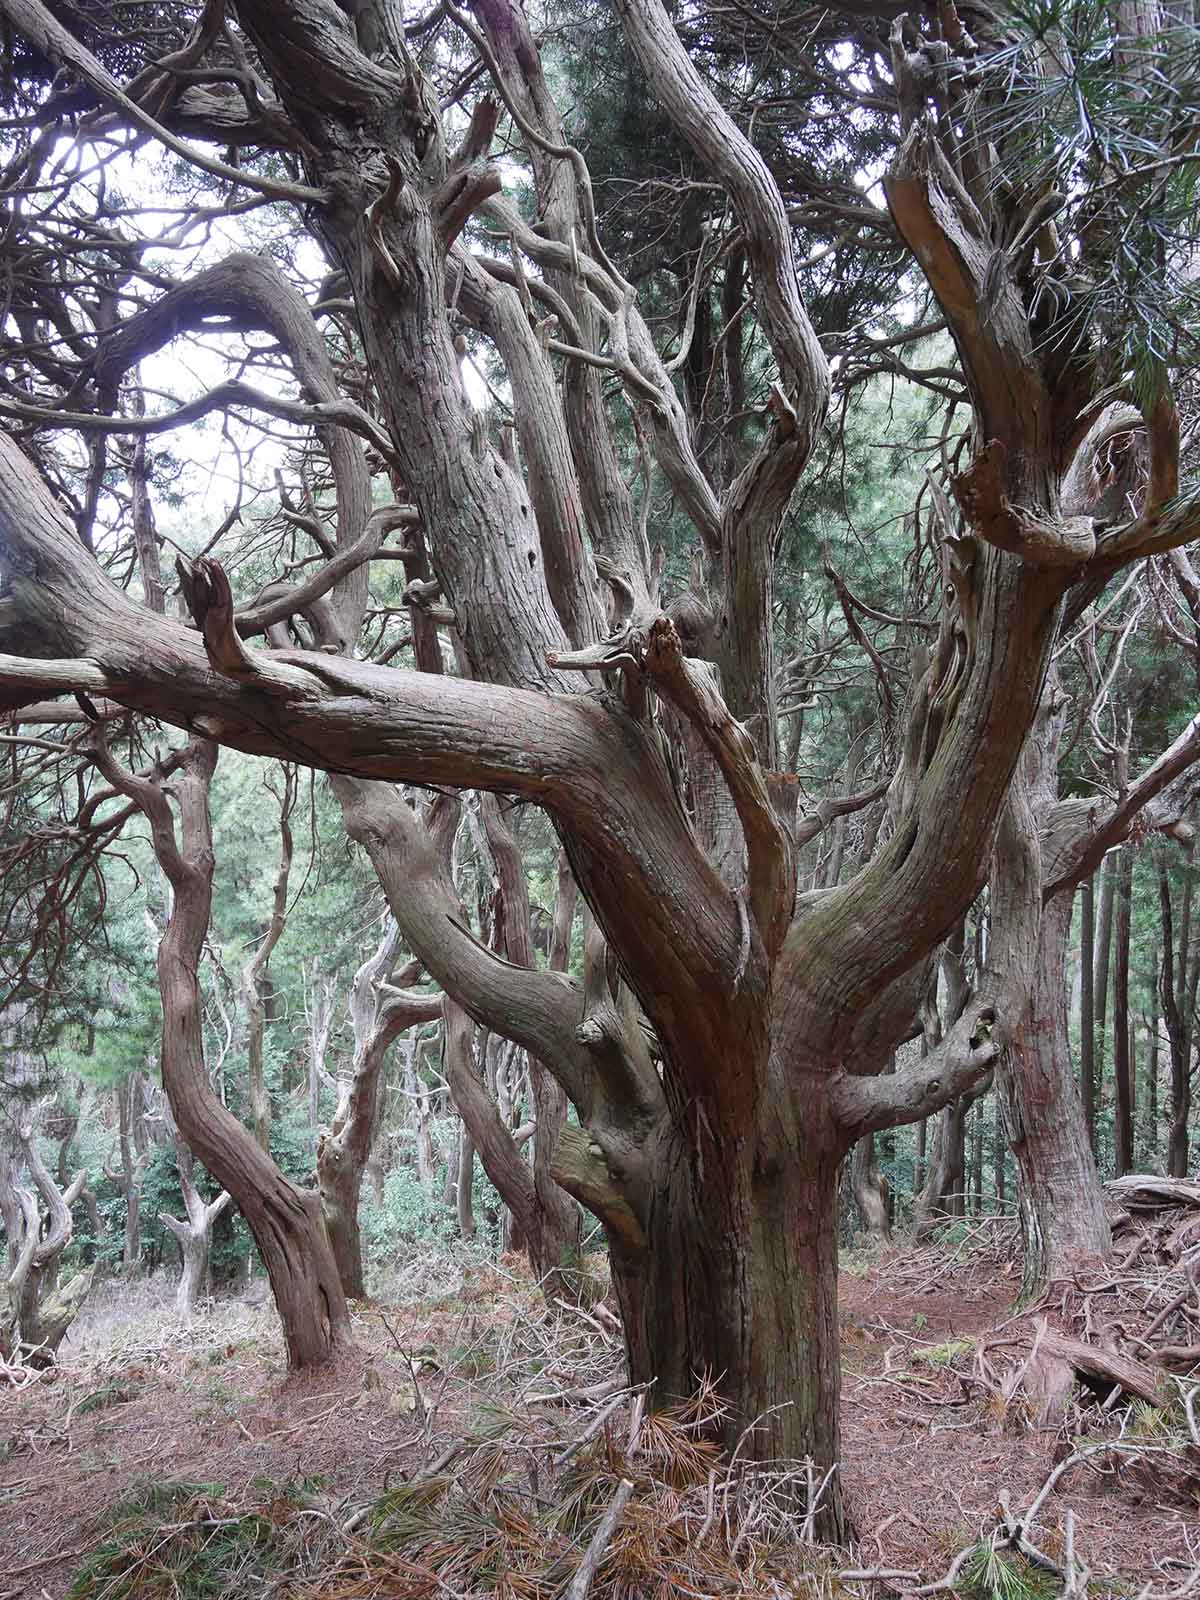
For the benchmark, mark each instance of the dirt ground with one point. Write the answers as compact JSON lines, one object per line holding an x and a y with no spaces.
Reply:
{"x":930,"y":1460}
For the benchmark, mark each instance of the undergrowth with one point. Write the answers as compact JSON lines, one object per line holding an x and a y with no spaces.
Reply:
{"x":512,"y":1515}
{"x":187,"y":1541}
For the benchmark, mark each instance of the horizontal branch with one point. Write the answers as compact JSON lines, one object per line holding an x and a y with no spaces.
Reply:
{"x":957,"y":1065}
{"x":339,"y":413}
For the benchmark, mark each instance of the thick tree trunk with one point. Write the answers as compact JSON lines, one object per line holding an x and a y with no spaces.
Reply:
{"x":870,"y":1190}
{"x":1062,"y":1212}
{"x":738,"y":1283}
{"x":1122,"y":1063}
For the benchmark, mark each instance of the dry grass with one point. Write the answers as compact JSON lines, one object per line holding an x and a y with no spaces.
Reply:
{"x":477,"y":1445}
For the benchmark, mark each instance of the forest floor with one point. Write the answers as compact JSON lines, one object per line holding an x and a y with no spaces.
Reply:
{"x":477,"y":1434}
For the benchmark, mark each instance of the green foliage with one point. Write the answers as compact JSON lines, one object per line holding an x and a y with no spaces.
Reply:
{"x":408,"y":1218}
{"x":1107,"y":121}
{"x":992,"y":1574}
{"x":184,"y":1541}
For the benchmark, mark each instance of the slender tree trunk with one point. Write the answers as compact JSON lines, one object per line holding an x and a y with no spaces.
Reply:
{"x":464,"y":1197}
{"x":285,"y":1219}
{"x":420,"y":1119}
{"x":1104,"y":931}
{"x":944,"y":1193}
{"x":871,"y":1193}
{"x":1122,"y":1064}
{"x":1087,"y":1007}
{"x":254,"y":977}
{"x":194,"y":1234}
{"x":1062,"y":1211}
{"x":131,"y":1178}
{"x":977,"y":1161}
{"x":1150,"y":1128}
{"x":1171,"y":979}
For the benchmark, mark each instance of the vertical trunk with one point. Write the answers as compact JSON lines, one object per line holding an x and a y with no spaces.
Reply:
{"x":450,"y":1180}
{"x":871,"y":1194}
{"x":736,"y":1279}
{"x":465,"y":1195}
{"x":1104,"y":929}
{"x":1122,"y":1066}
{"x":1087,"y":1008}
{"x":998,"y":1147}
{"x":945,"y":1185}
{"x":919,"y":1159}
{"x":380,"y":1011}
{"x":1150,"y":1127}
{"x":194,"y":1234}
{"x":1062,"y":1210}
{"x":419,"y":1119}
{"x":502,"y":1159}
{"x":131,"y":1177}
{"x":1172,"y":982}
{"x":977,"y":1160}
{"x":340,"y":1185}
{"x":254,"y":977}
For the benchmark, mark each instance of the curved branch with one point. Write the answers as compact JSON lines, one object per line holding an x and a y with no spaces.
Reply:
{"x":44,"y":31}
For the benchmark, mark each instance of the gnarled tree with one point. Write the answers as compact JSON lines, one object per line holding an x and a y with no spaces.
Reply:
{"x":725,"y":1048}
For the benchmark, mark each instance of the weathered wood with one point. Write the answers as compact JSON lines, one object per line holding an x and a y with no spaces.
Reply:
{"x":1105,"y":1369}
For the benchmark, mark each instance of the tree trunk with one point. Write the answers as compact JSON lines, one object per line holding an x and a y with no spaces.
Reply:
{"x":945,"y":1186}
{"x":380,"y":1011}
{"x":1172,"y":980}
{"x":998,"y":1150}
{"x":738,"y":1283}
{"x":1122,"y":1065}
{"x":1104,"y":931}
{"x":1062,"y":1212}
{"x":465,"y":1188}
{"x":129,"y":1105}
{"x":1150,"y":1129}
{"x":420,"y":1119}
{"x":870,"y":1190}
{"x":1087,"y":1007}
{"x":977,"y":1161}
{"x":285,"y":1219}
{"x":254,"y":976}
{"x":193,"y":1235}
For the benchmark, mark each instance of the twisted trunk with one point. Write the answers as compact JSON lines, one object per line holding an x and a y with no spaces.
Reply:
{"x":285,"y":1219}
{"x":1064,"y":1228}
